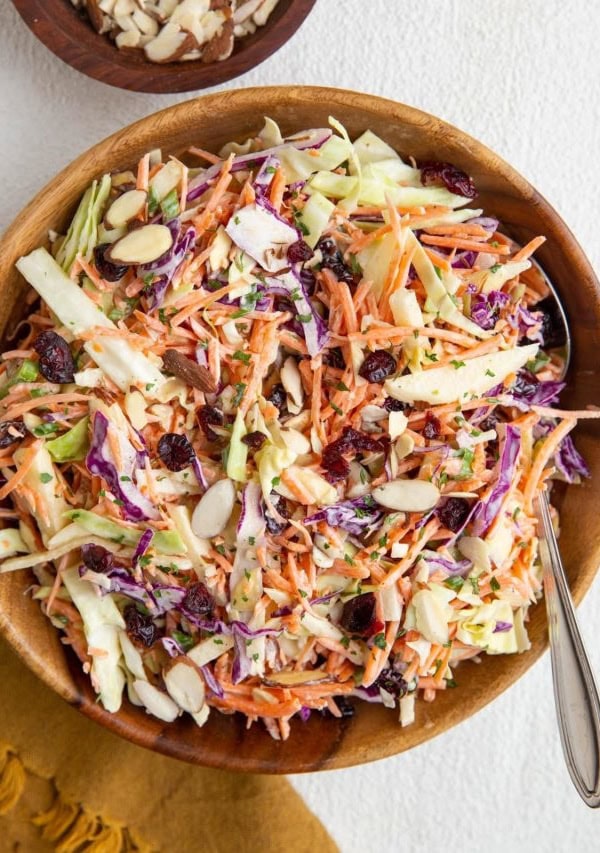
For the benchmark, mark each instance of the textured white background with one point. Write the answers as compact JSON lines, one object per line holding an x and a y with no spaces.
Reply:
{"x":523,"y":77}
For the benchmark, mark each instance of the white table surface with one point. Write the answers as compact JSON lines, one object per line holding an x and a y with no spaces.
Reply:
{"x":522,"y":76}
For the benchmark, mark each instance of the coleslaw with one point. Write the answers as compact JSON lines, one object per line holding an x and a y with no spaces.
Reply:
{"x":273,"y":427}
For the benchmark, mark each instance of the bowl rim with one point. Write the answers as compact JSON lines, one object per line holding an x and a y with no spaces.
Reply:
{"x":126,"y":70}
{"x":340,"y":99}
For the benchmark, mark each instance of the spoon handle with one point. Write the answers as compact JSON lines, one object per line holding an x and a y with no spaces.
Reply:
{"x":575,"y":692}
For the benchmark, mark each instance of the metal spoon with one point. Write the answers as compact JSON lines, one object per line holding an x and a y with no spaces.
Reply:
{"x":575,"y":691}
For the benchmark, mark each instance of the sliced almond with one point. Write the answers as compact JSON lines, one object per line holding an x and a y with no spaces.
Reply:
{"x":155,"y":701}
{"x":187,"y":370}
{"x":128,"y":40}
{"x":245,"y":10}
{"x":95,"y":15}
{"x":142,"y":246}
{"x":292,"y":382}
{"x":407,"y":495}
{"x":220,"y":46}
{"x":307,"y":676}
{"x":261,"y":16}
{"x":214,"y":509}
{"x":170,"y":44}
{"x":185,"y":686}
{"x":145,"y":23}
{"x":165,"y":8}
{"x":125,"y":208}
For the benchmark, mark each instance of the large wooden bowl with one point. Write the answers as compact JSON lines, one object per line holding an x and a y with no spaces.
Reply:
{"x":373,"y":732}
{"x":69,"y":35}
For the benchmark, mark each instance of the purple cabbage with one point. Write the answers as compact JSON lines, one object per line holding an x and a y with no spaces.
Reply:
{"x":502,"y":627}
{"x":211,"y":682}
{"x":100,"y":461}
{"x":311,"y":139}
{"x":485,"y":308}
{"x":486,"y":510}
{"x":528,"y":323}
{"x":242,"y":663}
{"x":570,"y":462}
{"x":446,"y":564}
{"x":264,"y":176}
{"x":464,"y":260}
{"x":166,"y":266}
{"x":488,"y":222}
{"x":199,"y":473}
{"x":304,"y":713}
{"x":142,"y":545}
{"x":356,"y":515}
{"x":314,"y":328}
{"x":527,"y":391}
{"x":157,"y":598}
{"x":172,"y":647}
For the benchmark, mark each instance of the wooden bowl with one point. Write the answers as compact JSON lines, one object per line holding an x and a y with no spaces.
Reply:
{"x":374,"y":731}
{"x":69,"y":35}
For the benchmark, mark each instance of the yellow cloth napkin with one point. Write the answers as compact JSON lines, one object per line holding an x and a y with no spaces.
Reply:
{"x":68,"y":785}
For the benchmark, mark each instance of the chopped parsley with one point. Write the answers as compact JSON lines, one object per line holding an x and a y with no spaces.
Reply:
{"x":242,"y":356}
{"x":45,"y":429}
{"x":457,"y":364}
{"x":454,"y":583}
{"x":46,"y":478}
{"x":494,"y":585}
{"x":379,"y":641}
{"x":336,"y":409}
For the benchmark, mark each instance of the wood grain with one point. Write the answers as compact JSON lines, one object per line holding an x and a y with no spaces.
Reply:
{"x":374,"y":732}
{"x":69,"y":35}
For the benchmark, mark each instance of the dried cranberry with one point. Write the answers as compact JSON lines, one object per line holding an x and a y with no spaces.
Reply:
{"x":198,"y":600}
{"x":209,"y":416}
{"x":335,"y":358}
{"x":107,"y":269}
{"x":377,"y":366}
{"x":335,"y":465}
{"x":490,"y":422}
{"x":175,"y":451}
{"x":255,"y":440}
{"x":455,"y":180}
{"x":11,"y":432}
{"x":553,"y":327}
{"x":392,"y":682}
{"x":283,"y":304}
{"x":433,"y":427}
{"x":453,"y":513}
{"x":359,"y":616}
{"x":56,"y":361}
{"x":273,"y":526}
{"x":391,"y":405}
{"x":526,"y":383}
{"x":96,"y":558}
{"x":350,"y":441}
{"x":278,"y":396}
{"x":333,"y":260}
{"x":299,"y":251}
{"x":140,"y":628}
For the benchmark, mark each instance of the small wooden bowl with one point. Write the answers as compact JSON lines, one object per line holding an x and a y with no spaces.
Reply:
{"x":69,"y":35}
{"x":374,"y":731}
